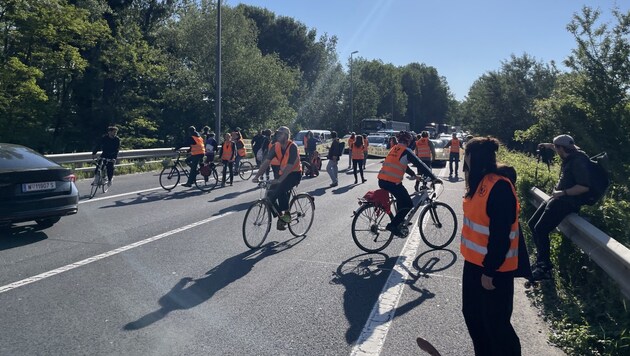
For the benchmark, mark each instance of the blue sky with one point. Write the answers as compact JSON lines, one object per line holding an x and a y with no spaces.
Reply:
{"x":462,"y":39}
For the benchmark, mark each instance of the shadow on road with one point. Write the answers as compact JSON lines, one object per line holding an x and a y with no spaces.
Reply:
{"x":363,"y":276}
{"x":345,"y":189}
{"x":191,"y":292}
{"x":17,"y":236}
{"x":432,"y":261}
{"x":150,"y":197}
{"x":234,"y":194}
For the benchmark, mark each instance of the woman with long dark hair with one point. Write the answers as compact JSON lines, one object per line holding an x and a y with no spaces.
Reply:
{"x":357,"y":158}
{"x":489,"y":245}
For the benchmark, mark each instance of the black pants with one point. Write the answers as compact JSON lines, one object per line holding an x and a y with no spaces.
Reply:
{"x":193,"y":163}
{"x":109,"y":166}
{"x":279,"y":193}
{"x":357,"y":163}
{"x":226,"y":165}
{"x":453,"y":157}
{"x":403,"y":200}
{"x":548,"y":215}
{"x":488,"y":312}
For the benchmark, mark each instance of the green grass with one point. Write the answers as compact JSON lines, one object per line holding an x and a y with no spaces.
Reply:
{"x":584,"y":307}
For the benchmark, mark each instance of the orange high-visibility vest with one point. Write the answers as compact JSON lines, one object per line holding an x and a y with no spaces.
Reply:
{"x":423,"y":150}
{"x":357,"y":152}
{"x":351,"y":143}
{"x":392,"y":170}
{"x":476,"y":228}
{"x":240,"y":148}
{"x":284,"y":159}
{"x":198,"y":148}
{"x":227,"y":151}
{"x":454,"y":145}
{"x":275,"y":161}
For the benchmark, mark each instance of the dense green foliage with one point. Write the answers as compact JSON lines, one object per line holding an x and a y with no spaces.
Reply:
{"x":70,"y":68}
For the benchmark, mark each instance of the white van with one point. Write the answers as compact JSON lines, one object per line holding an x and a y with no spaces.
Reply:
{"x":323,"y":141}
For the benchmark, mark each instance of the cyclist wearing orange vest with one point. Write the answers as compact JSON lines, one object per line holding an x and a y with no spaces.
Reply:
{"x":489,"y":245}
{"x":391,"y":175}
{"x":425,"y":150}
{"x":197,"y":152}
{"x":455,"y":145}
{"x":290,"y":173}
{"x":228,"y":155}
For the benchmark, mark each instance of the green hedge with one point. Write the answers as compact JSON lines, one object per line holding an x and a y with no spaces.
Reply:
{"x":584,"y":307}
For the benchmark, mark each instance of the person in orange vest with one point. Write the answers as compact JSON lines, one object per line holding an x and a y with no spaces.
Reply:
{"x":391,"y":175}
{"x":197,"y":152}
{"x":228,"y":155}
{"x":455,"y":145}
{"x":237,"y":138}
{"x":425,"y":150}
{"x":350,"y":144}
{"x":290,"y":174}
{"x":490,"y":247}
{"x":357,"y":158}
{"x":366,"y":145}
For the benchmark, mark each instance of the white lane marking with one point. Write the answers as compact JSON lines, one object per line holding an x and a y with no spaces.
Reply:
{"x":377,"y":326}
{"x":118,"y":195}
{"x":89,"y":260}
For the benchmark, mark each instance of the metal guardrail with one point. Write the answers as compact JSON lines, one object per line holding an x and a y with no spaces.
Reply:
{"x":608,"y":253}
{"x":83,"y":157}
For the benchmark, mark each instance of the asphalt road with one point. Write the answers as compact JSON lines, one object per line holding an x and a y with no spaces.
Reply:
{"x":143,"y":271}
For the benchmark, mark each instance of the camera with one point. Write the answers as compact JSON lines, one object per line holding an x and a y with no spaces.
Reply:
{"x":544,"y":154}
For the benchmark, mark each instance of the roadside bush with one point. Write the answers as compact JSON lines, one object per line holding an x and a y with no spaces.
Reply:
{"x":586,"y":310}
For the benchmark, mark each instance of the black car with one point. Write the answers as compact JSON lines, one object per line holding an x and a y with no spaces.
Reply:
{"x":32,"y":187}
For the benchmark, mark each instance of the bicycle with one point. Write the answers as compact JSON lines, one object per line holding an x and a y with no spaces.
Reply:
{"x":245,"y":170}
{"x":438,"y":223}
{"x":257,"y":221}
{"x":100,"y":176}
{"x":170,"y":175}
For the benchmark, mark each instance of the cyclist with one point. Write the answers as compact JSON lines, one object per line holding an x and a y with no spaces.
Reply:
{"x":290,"y":173}
{"x":425,"y":150}
{"x":237,"y":137}
{"x":110,"y":145}
{"x":211,"y":145}
{"x":197,"y":152}
{"x":391,"y":175}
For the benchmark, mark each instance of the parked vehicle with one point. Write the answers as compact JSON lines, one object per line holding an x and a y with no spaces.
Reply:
{"x":322,"y":136}
{"x":441,"y":154}
{"x":34,"y":188}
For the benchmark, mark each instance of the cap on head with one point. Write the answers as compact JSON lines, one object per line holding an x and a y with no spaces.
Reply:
{"x":565,"y":141}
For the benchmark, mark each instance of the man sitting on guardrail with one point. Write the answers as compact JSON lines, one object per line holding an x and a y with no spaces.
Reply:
{"x":568,"y":196}
{"x":110,"y":144}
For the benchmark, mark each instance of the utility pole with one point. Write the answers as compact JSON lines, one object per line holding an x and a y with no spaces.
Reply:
{"x":351,"y":98}
{"x":217,"y":102}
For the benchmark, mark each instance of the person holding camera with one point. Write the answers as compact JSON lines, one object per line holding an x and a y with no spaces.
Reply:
{"x":568,"y":196}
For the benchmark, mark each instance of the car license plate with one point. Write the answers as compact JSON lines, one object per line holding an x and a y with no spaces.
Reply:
{"x":34,"y":187}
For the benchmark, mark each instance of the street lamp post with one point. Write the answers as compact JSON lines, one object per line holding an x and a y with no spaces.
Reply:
{"x":217,"y":102}
{"x":351,"y":96}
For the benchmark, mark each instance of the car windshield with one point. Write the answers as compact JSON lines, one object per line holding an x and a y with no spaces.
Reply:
{"x":299,"y":136}
{"x":376,"y":139}
{"x":439,"y":143}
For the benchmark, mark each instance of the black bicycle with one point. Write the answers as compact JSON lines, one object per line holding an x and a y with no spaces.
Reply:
{"x":257,"y":222}
{"x":438,"y":223}
{"x":100,"y":176}
{"x":206,"y":180}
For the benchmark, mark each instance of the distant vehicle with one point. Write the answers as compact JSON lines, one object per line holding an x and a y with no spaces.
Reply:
{"x":322,"y":136}
{"x":435,"y":130}
{"x":441,"y":154}
{"x":369,"y":126}
{"x":34,"y":188}
{"x":378,"y":140}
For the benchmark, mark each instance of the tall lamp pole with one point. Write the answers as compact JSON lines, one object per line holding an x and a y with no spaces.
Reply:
{"x":351,"y":89}
{"x":217,"y":102}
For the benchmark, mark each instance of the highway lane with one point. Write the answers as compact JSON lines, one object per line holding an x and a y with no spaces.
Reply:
{"x":176,"y":278}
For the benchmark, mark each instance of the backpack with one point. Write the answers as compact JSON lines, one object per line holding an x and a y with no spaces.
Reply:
{"x":599,"y":179}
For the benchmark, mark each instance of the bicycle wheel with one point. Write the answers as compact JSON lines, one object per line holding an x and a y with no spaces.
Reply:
{"x":438,"y":225}
{"x":256,"y":224}
{"x":207,"y":183}
{"x":95,"y":184}
{"x":302,"y":210}
{"x":169,"y":177}
{"x":245,"y":170}
{"x":368,"y":228}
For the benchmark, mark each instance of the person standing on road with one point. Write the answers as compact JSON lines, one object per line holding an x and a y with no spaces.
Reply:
{"x":570,"y":194}
{"x":357,"y":158}
{"x":211,"y":145}
{"x":455,"y":145}
{"x":489,"y":245}
{"x":240,"y":149}
{"x":425,"y":150}
{"x":228,"y":155}
{"x":366,"y":145}
{"x":350,"y":145}
{"x":110,"y":145}
{"x":265,"y":144}
{"x":197,"y":152}
{"x":257,"y":141}
{"x":334,"y":152}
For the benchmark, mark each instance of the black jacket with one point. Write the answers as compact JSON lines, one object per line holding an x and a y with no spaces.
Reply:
{"x":109,"y":146}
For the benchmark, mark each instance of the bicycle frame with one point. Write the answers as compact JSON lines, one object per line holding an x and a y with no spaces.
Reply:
{"x":264,"y":195}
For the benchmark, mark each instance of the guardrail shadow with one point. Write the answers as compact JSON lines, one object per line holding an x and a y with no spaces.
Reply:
{"x":364,"y":276}
{"x":190,"y":292}
{"x":18,"y":236}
